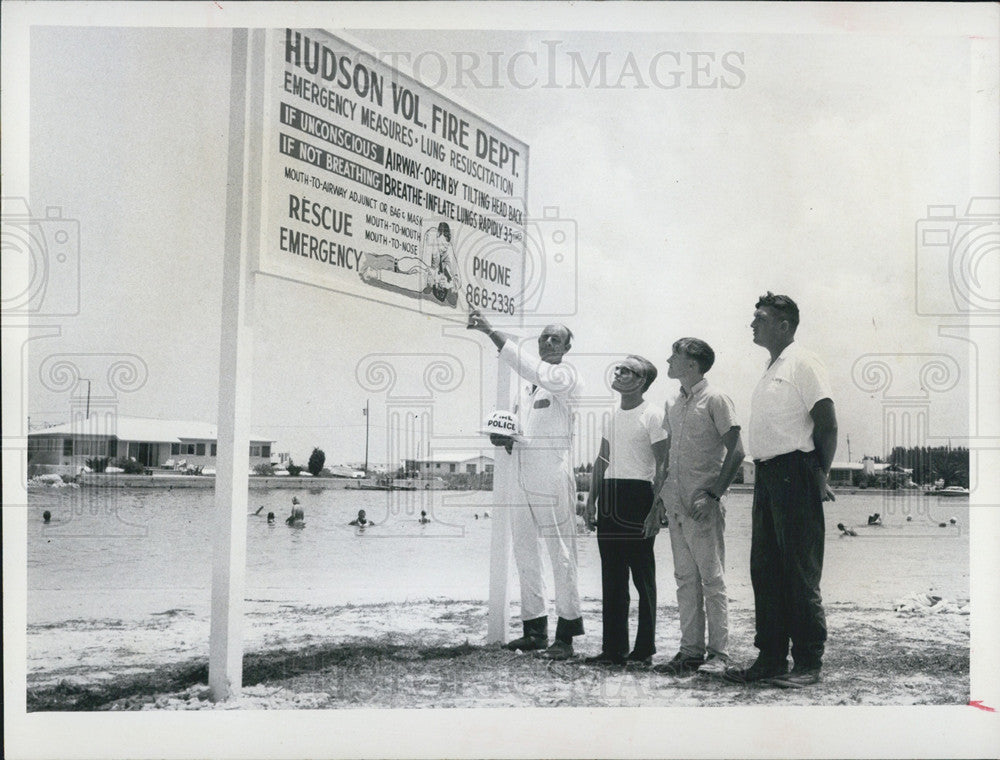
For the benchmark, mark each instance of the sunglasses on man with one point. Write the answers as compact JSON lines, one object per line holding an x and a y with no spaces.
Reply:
{"x":621,"y":369}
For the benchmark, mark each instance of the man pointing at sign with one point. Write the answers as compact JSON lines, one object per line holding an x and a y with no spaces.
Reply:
{"x":543,"y":509}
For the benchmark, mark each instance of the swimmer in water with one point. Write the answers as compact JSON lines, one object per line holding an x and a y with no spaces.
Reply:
{"x":361,"y":520}
{"x":46,"y":517}
{"x":875,"y":519}
{"x":298,"y":516}
{"x":845,"y":531}
{"x":270,"y":517}
{"x":423,"y":517}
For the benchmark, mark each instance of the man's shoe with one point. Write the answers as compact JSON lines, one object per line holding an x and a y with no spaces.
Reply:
{"x":681,"y":665}
{"x":536,"y":635}
{"x":760,"y":671}
{"x":528,"y":643}
{"x":636,"y":661}
{"x":799,"y":678}
{"x":605,"y":659}
{"x":715,"y":665}
{"x":560,"y":650}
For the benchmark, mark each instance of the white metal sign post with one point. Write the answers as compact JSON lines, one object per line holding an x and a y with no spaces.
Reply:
{"x":225,"y":666}
{"x":348,"y":175}
{"x":501,"y":540}
{"x":225,"y":661}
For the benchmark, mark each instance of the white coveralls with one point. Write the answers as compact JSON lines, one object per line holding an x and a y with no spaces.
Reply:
{"x":543,"y":506}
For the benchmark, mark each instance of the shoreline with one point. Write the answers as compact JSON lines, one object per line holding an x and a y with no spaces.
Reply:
{"x":432,"y":653}
{"x":256,"y":482}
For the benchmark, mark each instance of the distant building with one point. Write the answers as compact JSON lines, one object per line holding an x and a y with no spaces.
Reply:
{"x":844,"y":473}
{"x":449,"y":465}
{"x":150,"y":442}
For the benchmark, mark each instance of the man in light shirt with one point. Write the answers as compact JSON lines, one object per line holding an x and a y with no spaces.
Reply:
{"x":792,"y":437}
{"x":545,"y":509}
{"x":704,"y":455}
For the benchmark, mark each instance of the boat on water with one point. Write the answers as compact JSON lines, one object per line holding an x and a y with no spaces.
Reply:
{"x":387,"y":483}
{"x":382,"y":483}
{"x":951,"y":491}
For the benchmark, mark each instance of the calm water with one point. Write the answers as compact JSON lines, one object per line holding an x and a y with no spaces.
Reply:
{"x":111,"y":553}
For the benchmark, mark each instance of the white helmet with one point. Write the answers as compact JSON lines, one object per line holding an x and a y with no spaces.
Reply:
{"x":503,"y":423}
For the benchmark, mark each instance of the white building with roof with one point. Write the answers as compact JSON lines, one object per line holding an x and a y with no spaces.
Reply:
{"x":150,"y":442}
{"x":452,"y":463}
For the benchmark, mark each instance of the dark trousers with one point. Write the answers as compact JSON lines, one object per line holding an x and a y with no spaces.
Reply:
{"x":622,"y":507}
{"x":786,"y":559}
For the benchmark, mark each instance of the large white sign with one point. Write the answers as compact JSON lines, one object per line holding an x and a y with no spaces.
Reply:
{"x":376,"y":186}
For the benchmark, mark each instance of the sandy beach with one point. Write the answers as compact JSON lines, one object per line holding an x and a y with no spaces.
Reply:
{"x":432,"y":654}
{"x":118,"y":610}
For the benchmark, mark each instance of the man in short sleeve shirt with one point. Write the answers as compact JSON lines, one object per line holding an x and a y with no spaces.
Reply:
{"x":792,"y":437}
{"x":547,"y":393}
{"x":705,"y":453}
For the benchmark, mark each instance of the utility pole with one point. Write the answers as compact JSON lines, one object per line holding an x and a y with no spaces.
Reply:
{"x":367,"y":423}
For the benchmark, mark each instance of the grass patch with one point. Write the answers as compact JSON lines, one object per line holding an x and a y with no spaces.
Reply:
{"x":869,"y":660}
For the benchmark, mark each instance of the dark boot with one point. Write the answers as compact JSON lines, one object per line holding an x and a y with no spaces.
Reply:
{"x":562,"y":649}
{"x":567,"y":629}
{"x":536,"y":635}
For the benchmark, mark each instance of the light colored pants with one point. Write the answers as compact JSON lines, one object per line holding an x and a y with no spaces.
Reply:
{"x":544,"y":512}
{"x":699,"y":551}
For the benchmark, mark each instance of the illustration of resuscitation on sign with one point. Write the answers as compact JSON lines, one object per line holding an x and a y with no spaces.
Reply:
{"x":379,"y":187}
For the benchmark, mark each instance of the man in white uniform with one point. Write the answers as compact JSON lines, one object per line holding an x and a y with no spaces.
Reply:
{"x":544,"y":510}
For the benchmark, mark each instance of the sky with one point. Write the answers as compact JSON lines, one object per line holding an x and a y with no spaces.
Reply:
{"x":797,"y":163}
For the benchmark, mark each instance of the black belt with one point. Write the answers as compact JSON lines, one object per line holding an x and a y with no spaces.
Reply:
{"x":784,"y":457}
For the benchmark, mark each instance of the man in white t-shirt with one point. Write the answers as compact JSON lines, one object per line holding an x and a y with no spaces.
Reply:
{"x":627,"y":473}
{"x":544,"y":512}
{"x":792,"y":437}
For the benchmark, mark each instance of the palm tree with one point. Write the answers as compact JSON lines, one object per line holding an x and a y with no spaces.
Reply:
{"x":953,"y":473}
